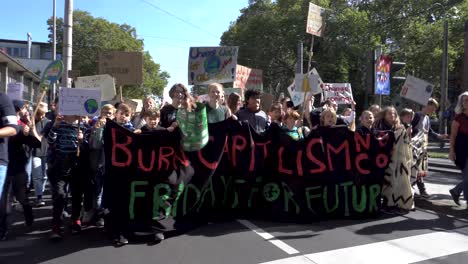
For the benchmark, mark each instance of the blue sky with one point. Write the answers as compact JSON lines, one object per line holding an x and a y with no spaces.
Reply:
{"x":167,"y":38}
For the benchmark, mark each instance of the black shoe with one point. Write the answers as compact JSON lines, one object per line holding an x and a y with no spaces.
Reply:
{"x":120,"y":241}
{"x":3,"y":235}
{"x":388,"y":210}
{"x":423,"y":194}
{"x":76,"y":226}
{"x":57,"y":234}
{"x":157,"y":238}
{"x":455,"y":196}
{"x":401,"y":211}
{"x":40,"y":203}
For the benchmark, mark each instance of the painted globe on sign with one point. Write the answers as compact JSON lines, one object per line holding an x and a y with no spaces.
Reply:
{"x":91,"y":106}
{"x":212,"y":64}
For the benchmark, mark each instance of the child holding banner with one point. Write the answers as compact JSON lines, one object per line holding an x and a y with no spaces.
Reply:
{"x":215,"y":111}
{"x":396,"y":191}
{"x":252,"y":113}
{"x":139,"y":120}
{"x":178,"y":93}
{"x":97,"y":165}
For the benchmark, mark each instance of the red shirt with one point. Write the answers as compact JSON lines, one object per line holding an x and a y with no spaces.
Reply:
{"x":462,"y":119}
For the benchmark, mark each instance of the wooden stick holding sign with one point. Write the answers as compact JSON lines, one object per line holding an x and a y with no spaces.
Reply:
{"x":37,"y":108}
{"x":305,"y":81}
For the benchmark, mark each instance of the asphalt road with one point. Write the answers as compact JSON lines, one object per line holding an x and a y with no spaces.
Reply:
{"x":437,"y":232}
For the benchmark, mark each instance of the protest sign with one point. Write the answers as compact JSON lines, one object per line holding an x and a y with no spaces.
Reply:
{"x":416,"y":90}
{"x":382,"y":83}
{"x":296,"y":97}
{"x":15,"y":91}
{"x":125,"y":67}
{"x":247,"y":78}
{"x":266,"y":101}
{"x":315,"y":20}
{"x":341,"y":93}
{"x":82,"y":102}
{"x":212,"y":64}
{"x":51,"y":74}
{"x":316,"y":82}
{"x":333,"y":173}
{"x":103,"y":82}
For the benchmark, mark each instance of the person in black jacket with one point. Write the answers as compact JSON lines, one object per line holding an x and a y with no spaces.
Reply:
{"x":17,"y":179}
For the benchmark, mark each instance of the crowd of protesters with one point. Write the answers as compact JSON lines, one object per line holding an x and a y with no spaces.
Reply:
{"x":49,"y":143}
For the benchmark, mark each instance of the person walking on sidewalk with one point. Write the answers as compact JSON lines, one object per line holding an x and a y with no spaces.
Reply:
{"x":422,"y":122}
{"x":459,"y":146}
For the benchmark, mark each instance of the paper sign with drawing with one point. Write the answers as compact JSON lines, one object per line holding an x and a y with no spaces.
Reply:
{"x":82,"y":102}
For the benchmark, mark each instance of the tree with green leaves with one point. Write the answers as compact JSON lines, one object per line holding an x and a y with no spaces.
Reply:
{"x":94,"y":35}
{"x":267,"y":34}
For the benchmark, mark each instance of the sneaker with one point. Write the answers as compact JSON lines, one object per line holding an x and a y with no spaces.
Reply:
{"x":423,"y":194}
{"x":99,"y":222}
{"x":57,"y":233}
{"x":388,"y":210}
{"x":88,"y":217}
{"x":76,"y":226}
{"x":455,"y":196}
{"x":65,"y":214}
{"x":158,"y":237}
{"x":401,"y":211}
{"x":40,"y":203}
{"x":120,"y":241}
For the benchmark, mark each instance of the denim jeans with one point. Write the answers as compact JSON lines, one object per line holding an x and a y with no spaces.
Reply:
{"x":39,"y":175}
{"x":3,"y":171}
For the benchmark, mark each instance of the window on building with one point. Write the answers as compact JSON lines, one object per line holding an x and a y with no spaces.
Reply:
{"x":23,"y":52}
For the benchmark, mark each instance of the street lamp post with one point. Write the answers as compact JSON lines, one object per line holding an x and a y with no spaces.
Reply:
{"x":444,"y":81}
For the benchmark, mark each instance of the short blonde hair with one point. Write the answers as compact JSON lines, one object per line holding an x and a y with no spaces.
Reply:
{"x":124,"y":108}
{"x":214,"y":85}
{"x":325,"y":112}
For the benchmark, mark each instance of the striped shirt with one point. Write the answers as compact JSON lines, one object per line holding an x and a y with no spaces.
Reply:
{"x":64,"y":138}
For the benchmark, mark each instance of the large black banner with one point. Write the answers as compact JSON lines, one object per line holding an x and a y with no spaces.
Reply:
{"x":332,"y":173}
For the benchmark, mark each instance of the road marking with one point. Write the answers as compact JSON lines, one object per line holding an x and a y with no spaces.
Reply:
{"x":269,"y":237}
{"x":398,"y":251}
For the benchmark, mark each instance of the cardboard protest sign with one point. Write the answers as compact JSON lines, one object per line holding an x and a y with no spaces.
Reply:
{"x":125,"y":67}
{"x":15,"y":91}
{"x":316,"y":82}
{"x":103,"y":82}
{"x":296,"y":97}
{"x":382,"y":83}
{"x":333,"y":173}
{"x":212,"y":64}
{"x":341,"y":93}
{"x":266,"y":101}
{"x":315,"y":23}
{"x":82,"y":102}
{"x":417,"y":90}
{"x":247,"y":78}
